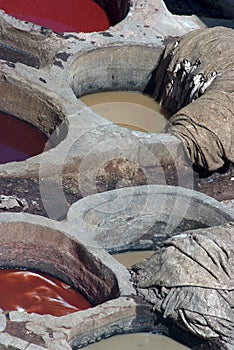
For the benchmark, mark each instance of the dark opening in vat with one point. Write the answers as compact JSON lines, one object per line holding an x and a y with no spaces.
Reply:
{"x":30,"y":291}
{"x":19,"y":140}
{"x":74,"y":16}
{"x":199,"y":8}
{"x":119,"y":75}
{"x":116,"y":10}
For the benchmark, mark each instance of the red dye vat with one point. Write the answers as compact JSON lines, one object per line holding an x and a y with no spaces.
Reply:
{"x":19,"y":140}
{"x":39,"y":293}
{"x":59,"y":15}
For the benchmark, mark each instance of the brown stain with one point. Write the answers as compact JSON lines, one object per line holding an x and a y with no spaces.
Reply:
{"x":19,"y":330}
{"x":120,"y":173}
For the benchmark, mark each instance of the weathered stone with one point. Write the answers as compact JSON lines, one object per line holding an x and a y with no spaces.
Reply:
{"x":2,"y":322}
{"x":142,"y":217}
{"x":35,"y":347}
{"x":8,"y":202}
{"x":9,"y":342}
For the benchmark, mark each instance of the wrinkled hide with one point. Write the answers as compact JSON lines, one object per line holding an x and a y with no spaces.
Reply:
{"x":191,"y":280}
{"x":195,"y":82}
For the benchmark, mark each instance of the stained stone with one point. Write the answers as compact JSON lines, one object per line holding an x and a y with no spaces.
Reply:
{"x":2,"y":322}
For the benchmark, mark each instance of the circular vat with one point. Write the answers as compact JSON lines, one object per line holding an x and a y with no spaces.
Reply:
{"x":32,"y":245}
{"x":142,"y":217}
{"x":77,"y":16}
{"x":28,"y":118}
{"x":114,"y":68}
{"x":46,"y":250}
{"x":113,"y":80}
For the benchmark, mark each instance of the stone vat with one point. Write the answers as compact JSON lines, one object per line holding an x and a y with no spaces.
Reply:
{"x":42,"y":76}
{"x":141,"y":217}
{"x":43,"y":245}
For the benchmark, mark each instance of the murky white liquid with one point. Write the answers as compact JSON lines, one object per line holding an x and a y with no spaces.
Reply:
{"x":131,"y":110}
{"x":137,"y":341}
{"x":130,"y":258}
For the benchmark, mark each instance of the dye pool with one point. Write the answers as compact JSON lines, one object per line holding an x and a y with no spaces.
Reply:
{"x":133,"y":257}
{"x":37,"y":292}
{"x":131,"y":110}
{"x":138,"y":341}
{"x":19,"y":140}
{"x":60,"y":16}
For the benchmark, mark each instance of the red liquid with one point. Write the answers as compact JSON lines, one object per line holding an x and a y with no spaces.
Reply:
{"x":59,"y":15}
{"x":18,"y":139}
{"x":39,"y":293}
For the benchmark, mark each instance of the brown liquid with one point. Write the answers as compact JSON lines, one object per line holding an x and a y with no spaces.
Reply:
{"x":130,"y":258}
{"x":39,"y":293}
{"x":131,"y":110}
{"x":138,"y":341}
{"x":19,"y":140}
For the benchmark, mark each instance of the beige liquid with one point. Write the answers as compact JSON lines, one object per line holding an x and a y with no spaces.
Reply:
{"x":130,"y":258}
{"x":137,"y":341}
{"x":131,"y":110}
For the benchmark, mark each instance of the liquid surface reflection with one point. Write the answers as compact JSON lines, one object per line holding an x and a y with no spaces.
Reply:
{"x":37,"y":292}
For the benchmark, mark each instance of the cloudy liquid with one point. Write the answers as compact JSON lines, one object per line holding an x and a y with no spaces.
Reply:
{"x":39,"y":293}
{"x":132,"y":257}
{"x":131,"y":110}
{"x":59,"y":15}
{"x":138,"y":341}
{"x":19,"y":140}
